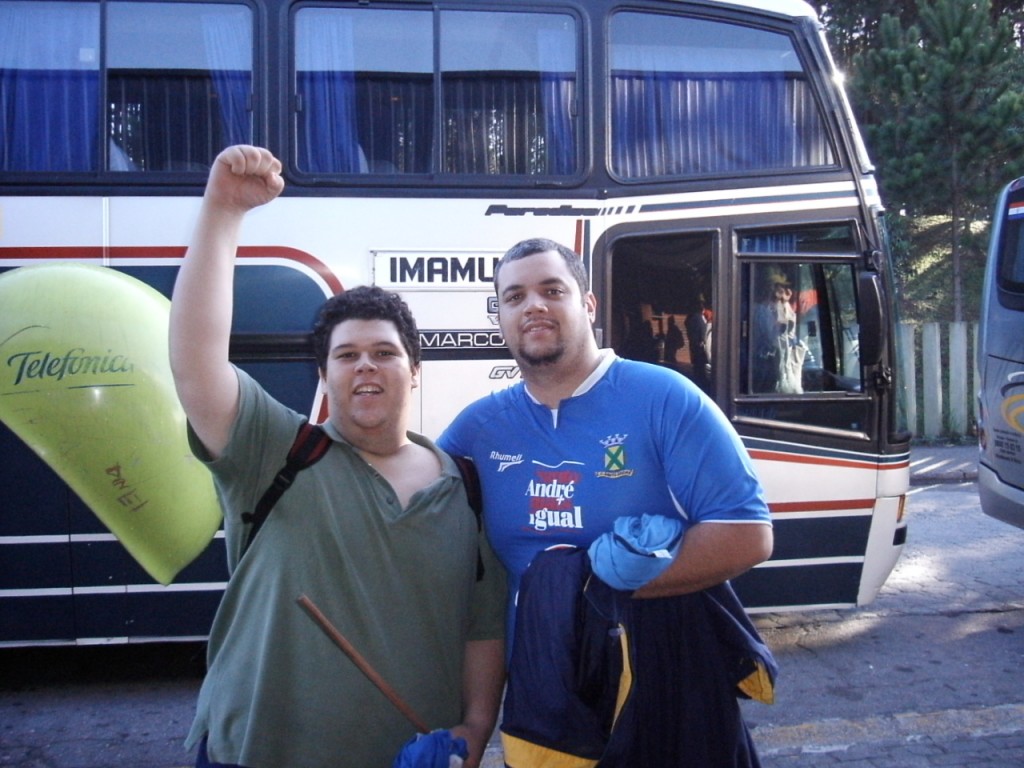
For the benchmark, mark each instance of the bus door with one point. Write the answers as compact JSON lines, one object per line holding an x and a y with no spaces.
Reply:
{"x":774,"y":336}
{"x":808,"y":389}
{"x":662,"y":302}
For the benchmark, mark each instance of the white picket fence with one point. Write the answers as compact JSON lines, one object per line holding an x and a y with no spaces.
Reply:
{"x":940,"y":374}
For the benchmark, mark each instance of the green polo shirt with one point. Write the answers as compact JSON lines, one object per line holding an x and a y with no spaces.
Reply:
{"x":400,"y":584}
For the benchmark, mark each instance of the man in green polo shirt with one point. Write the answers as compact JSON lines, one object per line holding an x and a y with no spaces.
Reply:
{"x":379,"y":532}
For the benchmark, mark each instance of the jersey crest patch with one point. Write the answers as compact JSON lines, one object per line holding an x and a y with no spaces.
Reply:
{"x":615,"y":458}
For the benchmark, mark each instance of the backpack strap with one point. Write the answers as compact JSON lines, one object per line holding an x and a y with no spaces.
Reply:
{"x":471,"y":480}
{"x":310,"y":445}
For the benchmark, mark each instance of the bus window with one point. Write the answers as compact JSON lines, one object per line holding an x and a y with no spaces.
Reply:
{"x":178,"y":82}
{"x":509,"y":83}
{"x":368,"y":93}
{"x":1010,"y":259}
{"x":800,"y":330}
{"x":803,"y":328}
{"x":661,"y":296}
{"x":364,"y":80}
{"x":49,"y":86}
{"x":692,"y":97}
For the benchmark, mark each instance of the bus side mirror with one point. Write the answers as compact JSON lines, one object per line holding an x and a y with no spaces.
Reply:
{"x":869,"y":292}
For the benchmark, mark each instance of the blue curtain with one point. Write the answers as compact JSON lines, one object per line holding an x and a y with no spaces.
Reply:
{"x":49,"y":120}
{"x":328,"y":142}
{"x":558,"y":94}
{"x":233,"y":89}
{"x":673,"y":124}
{"x":225,"y":39}
{"x":49,"y":98}
{"x":777,"y":242}
{"x":327,"y":139}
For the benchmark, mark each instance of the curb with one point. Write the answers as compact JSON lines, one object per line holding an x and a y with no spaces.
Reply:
{"x":931,"y":465}
{"x":944,"y":478}
{"x":838,"y":735}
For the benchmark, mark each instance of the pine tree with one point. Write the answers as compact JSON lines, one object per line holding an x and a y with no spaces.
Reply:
{"x":943,"y":112}
{"x":852,"y":25}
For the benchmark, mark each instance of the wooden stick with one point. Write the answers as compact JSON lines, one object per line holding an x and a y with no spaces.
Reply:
{"x":364,"y":666}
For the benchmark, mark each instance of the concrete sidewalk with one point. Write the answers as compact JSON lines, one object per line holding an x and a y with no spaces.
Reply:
{"x":931,"y":464}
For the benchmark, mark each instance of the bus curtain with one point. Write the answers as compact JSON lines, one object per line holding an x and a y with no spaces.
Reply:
{"x":51,"y":105}
{"x":50,"y":99}
{"x":676,"y":123}
{"x":326,"y":82}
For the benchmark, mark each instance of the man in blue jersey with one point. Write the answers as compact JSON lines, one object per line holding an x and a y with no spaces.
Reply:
{"x":607,"y":455}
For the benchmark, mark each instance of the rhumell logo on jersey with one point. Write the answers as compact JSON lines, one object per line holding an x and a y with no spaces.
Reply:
{"x":615,"y":457}
{"x":551,"y":501}
{"x":506,"y":460}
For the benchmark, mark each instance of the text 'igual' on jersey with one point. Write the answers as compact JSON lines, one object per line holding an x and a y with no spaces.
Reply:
{"x":551,"y":494}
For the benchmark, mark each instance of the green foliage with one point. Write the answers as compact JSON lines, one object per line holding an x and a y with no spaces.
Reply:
{"x":852,"y":25}
{"x":940,"y":106}
{"x":922,"y":267}
{"x":942,"y":109}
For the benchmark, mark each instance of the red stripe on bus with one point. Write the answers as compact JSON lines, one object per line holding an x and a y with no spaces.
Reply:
{"x":98,"y":252}
{"x":901,"y":465}
{"x":782,"y":507}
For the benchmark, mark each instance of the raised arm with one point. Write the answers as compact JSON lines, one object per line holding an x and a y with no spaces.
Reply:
{"x":242,"y":178}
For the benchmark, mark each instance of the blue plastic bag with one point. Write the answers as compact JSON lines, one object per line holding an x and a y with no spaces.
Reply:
{"x":437,"y":749}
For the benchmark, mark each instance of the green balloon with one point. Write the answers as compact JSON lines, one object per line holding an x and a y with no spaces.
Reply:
{"x":85,"y":381}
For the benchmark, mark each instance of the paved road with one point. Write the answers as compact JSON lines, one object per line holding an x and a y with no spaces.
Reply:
{"x":931,"y":674}
{"x":944,"y":463}
{"x":98,"y":707}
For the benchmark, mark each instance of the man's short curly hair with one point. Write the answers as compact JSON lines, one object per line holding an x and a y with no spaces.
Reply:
{"x":535,"y":245}
{"x":366,"y":302}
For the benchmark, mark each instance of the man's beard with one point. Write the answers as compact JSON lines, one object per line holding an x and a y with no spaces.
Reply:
{"x":550,"y":357}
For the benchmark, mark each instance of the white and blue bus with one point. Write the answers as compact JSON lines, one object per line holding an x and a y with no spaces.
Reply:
{"x":699,"y":155}
{"x":1000,"y":358}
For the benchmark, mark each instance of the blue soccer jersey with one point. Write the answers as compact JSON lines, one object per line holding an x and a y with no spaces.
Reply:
{"x":635,"y":438}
